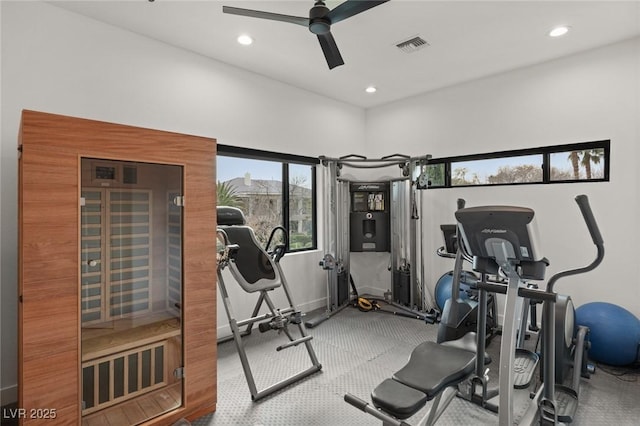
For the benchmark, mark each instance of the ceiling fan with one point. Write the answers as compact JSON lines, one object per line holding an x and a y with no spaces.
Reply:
{"x":319,"y":22}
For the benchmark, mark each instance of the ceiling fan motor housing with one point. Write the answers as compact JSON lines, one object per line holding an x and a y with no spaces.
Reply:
{"x":318,"y":23}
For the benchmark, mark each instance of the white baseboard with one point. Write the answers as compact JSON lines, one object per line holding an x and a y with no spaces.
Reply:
{"x":313,"y":305}
{"x":8,"y":395}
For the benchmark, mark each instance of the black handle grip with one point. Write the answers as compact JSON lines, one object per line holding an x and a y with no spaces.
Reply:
{"x":491,"y":287}
{"x":395,"y":157}
{"x":587,"y":214}
{"x":355,"y":401}
{"x":264,"y":327}
{"x":461,"y":203}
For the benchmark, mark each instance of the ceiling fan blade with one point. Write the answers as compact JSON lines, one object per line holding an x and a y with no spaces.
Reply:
{"x":298,"y":20}
{"x":350,"y":8}
{"x":330,"y":50}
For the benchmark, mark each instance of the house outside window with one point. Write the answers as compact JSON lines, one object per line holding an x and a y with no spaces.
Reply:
{"x":270,"y":193}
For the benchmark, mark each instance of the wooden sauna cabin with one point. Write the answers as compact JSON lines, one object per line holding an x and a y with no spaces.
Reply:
{"x":117,"y":308}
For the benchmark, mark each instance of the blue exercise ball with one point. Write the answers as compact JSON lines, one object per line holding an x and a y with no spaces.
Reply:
{"x":443,"y":287}
{"x":614,"y":332}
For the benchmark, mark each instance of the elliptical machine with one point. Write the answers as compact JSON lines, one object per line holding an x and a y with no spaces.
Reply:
{"x":499,"y":240}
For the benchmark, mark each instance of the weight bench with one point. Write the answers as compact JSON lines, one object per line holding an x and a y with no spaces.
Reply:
{"x":257,"y":270}
{"x":432,"y":373}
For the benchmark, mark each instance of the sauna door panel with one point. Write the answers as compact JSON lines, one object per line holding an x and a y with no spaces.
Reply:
{"x":130,"y":288}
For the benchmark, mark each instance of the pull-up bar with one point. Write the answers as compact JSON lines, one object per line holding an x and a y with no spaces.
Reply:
{"x":360,"y":161}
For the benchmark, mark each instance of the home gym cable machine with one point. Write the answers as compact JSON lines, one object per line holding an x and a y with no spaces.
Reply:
{"x":375,"y":216}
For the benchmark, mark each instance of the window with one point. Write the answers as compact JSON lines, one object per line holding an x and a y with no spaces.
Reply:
{"x":583,"y":162}
{"x":272,"y":190}
{"x":586,"y":164}
{"x":492,"y":171}
{"x":301,"y":206}
{"x":436,"y":173}
{"x":255,"y":187}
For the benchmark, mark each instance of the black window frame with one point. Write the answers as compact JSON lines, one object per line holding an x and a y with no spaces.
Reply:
{"x":545,"y":151}
{"x":285,"y":160}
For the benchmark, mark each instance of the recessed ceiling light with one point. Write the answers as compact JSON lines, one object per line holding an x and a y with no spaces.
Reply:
{"x":245,"y":40}
{"x":370,"y":89}
{"x":559,"y":31}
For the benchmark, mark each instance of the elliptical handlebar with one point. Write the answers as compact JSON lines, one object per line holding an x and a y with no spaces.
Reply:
{"x":594,"y":231}
{"x":442,"y":252}
{"x":587,"y":214}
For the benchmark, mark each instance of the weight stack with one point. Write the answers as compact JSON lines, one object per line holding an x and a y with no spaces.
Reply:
{"x":343,"y":288}
{"x":401,"y":287}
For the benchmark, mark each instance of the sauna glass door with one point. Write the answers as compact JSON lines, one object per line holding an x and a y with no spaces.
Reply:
{"x":130,"y":290}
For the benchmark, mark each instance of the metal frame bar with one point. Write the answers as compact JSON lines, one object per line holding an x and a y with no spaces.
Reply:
{"x":512,"y":311}
{"x":273,"y":312}
{"x":237,"y":337}
{"x":332,"y":262}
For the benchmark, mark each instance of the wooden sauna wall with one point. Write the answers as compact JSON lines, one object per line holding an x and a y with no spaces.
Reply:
{"x":49,"y":309}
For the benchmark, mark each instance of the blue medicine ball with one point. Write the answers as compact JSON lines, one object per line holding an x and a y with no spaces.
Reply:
{"x":614,"y":332}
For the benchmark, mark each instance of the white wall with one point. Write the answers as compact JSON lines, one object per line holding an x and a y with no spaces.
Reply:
{"x":59,"y":62}
{"x":586,"y":97}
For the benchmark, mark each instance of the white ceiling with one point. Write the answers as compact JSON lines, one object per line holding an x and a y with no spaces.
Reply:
{"x":467,"y":39}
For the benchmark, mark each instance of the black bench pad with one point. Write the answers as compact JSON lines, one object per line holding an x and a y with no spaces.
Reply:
{"x":433,"y":367}
{"x":397,"y":399}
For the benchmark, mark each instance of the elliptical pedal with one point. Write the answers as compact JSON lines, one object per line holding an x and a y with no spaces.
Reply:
{"x":524,"y":368}
{"x":566,"y":403}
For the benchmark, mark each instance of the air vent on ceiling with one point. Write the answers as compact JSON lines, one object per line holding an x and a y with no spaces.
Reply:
{"x":412,"y":45}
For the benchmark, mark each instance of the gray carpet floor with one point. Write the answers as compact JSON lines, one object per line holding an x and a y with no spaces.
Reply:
{"x":357,"y":351}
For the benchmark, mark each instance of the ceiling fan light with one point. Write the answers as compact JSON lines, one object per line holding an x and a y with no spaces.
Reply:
{"x":245,"y":40}
{"x":558,"y":31}
{"x":371,"y":89}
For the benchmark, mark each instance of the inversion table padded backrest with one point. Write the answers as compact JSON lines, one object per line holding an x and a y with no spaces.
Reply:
{"x":252,"y":267}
